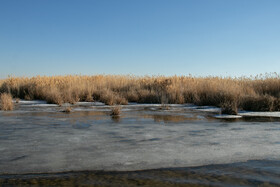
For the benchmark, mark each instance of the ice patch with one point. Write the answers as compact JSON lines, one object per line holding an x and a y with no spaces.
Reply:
{"x":33,"y":102}
{"x":46,"y":105}
{"x":89,"y":104}
{"x":92,"y":109}
{"x":208,"y":109}
{"x":259,"y":114}
{"x":225,"y":116}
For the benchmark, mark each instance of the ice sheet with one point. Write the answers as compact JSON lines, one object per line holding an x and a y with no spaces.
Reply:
{"x":208,"y":109}
{"x":225,"y":116}
{"x":92,"y":140}
{"x":260,"y":114}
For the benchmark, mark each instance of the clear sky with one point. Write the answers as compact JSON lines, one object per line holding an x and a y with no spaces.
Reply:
{"x":141,"y":37}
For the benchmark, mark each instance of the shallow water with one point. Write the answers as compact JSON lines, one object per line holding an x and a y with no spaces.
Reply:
{"x":39,"y":138}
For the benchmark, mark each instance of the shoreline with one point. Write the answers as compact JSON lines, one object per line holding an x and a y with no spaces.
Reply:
{"x":205,"y":175}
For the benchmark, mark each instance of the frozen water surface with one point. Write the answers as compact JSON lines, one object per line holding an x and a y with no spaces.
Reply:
{"x":37,"y":137}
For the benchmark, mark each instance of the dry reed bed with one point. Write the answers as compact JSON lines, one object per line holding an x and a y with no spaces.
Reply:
{"x":257,"y":94}
{"x":6,"y":102}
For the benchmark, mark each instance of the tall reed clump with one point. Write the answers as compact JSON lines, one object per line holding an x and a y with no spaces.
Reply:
{"x":115,"y":111}
{"x":261,"y":93}
{"x":6,"y":102}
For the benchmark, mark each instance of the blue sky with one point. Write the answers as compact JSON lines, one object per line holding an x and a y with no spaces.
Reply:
{"x":140,"y":37}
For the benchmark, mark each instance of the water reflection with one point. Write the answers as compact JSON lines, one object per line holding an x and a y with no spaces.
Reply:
{"x":170,"y":118}
{"x":116,"y":119}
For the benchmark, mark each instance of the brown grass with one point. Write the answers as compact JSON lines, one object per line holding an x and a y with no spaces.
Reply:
{"x":229,"y":108}
{"x":6,"y":102}
{"x":116,"y":111}
{"x":261,"y":93}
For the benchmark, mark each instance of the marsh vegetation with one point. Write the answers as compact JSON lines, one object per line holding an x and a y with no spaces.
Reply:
{"x":261,"y":93}
{"x":116,"y":111}
{"x":6,"y":102}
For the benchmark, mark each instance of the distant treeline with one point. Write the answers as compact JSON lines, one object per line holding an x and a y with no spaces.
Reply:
{"x":261,"y":93}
